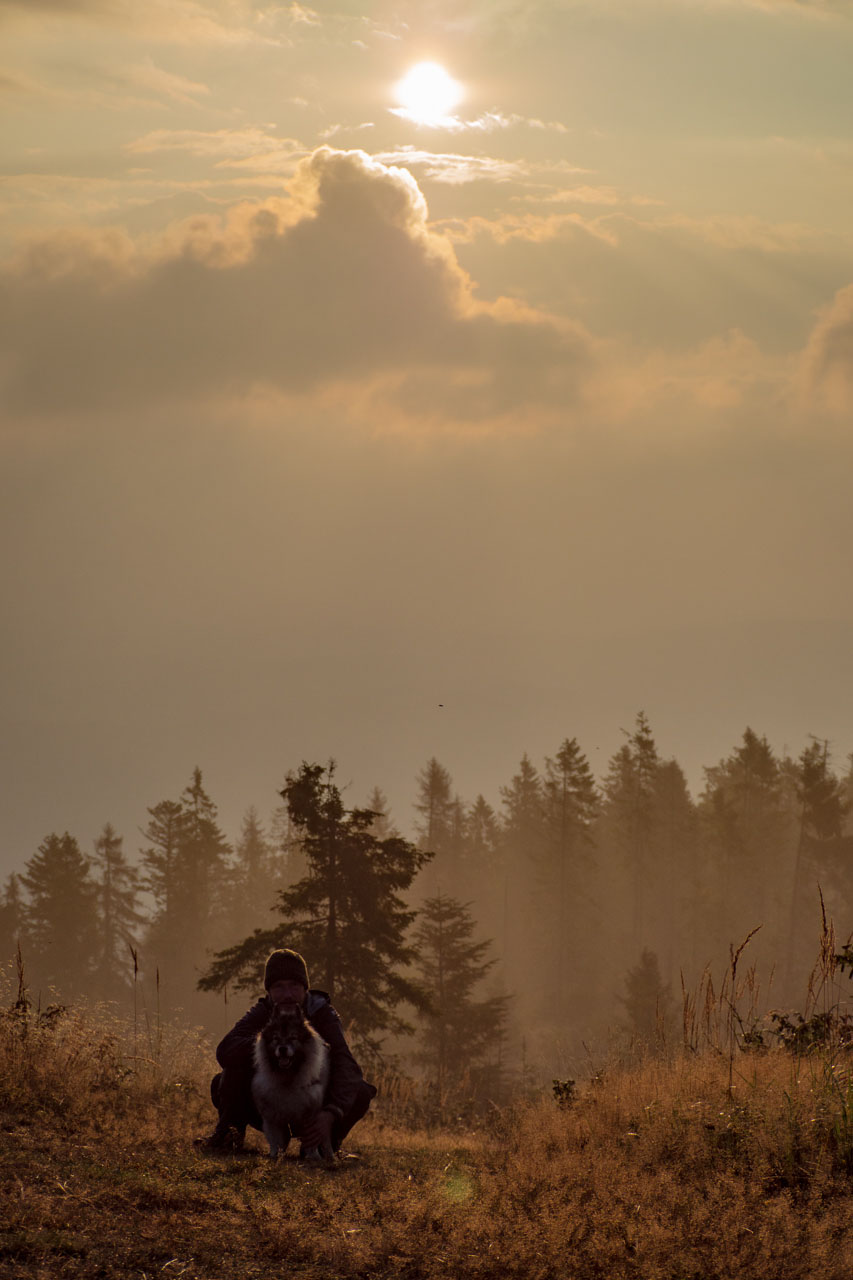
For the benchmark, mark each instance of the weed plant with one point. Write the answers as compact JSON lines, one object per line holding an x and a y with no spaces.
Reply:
{"x":719,"y":1157}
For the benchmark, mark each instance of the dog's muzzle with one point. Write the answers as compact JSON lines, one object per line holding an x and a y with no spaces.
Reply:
{"x":285,"y":1056}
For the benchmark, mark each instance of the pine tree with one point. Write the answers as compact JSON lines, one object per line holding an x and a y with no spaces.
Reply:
{"x":565,"y":873}
{"x":256,"y":877}
{"x":820,"y":809}
{"x":189,"y":875}
{"x":382,"y":826}
{"x":346,"y":915}
{"x":203,"y":862}
{"x":440,"y":826}
{"x":481,"y":870}
{"x":680,"y":895}
{"x":59,"y":917}
{"x":628,"y":832}
{"x":523,"y":839}
{"x":162,"y":879}
{"x":289,"y":858}
{"x":11,"y":919}
{"x":434,"y":804}
{"x":648,"y":1002}
{"x":116,"y":893}
{"x":461,"y":1028}
{"x":752,"y":832}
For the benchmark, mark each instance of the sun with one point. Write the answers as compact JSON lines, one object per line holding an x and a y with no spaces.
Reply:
{"x":427,"y":94}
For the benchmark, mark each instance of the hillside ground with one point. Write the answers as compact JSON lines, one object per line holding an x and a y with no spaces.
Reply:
{"x":680,"y":1168}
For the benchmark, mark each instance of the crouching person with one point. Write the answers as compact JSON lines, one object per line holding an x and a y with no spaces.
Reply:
{"x":347,"y":1096}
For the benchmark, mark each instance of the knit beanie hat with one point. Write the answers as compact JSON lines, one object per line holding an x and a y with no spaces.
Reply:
{"x":285,"y":966}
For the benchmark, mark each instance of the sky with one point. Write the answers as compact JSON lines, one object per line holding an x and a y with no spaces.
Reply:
{"x":338,"y":420}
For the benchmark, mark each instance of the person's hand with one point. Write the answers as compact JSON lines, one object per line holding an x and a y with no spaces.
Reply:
{"x":317,"y":1131}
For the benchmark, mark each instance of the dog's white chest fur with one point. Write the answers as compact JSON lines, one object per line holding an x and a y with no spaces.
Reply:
{"x":286,"y":1098}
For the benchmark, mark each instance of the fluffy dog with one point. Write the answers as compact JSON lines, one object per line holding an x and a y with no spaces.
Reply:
{"x":291,"y":1075}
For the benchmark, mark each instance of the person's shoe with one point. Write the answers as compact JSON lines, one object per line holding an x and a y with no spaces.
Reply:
{"x":225,"y":1137}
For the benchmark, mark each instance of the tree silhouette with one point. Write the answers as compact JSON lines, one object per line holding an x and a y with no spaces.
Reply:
{"x":565,"y":870}
{"x":752,"y":829}
{"x":11,"y":918}
{"x":648,"y":1001}
{"x":346,"y":915}
{"x":630,"y":807}
{"x":116,"y":893}
{"x":458,"y":1029}
{"x":523,"y":841}
{"x":257,"y":869}
{"x":188,"y":874}
{"x":59,"y":917}
{"x":440,"y":828}
{"x":822,"y":806}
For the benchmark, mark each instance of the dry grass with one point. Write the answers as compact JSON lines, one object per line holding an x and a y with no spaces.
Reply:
{"x":658,"y":1170}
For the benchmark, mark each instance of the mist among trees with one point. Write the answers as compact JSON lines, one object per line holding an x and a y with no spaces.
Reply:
{"x":503,"y":938}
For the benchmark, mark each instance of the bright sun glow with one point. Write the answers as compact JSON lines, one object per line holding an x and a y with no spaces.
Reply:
{"x":427,"y":94}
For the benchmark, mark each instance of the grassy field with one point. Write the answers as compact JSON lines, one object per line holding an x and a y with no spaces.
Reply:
{"x":659,"y":1169}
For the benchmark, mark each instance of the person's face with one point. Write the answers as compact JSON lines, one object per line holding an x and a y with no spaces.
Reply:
{"x":287,"y":991}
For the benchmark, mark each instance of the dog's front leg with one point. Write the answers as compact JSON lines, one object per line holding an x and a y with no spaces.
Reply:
{"x":277,"y":1138}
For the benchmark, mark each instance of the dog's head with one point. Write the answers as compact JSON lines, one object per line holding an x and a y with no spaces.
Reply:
{"x":285,"y":1037}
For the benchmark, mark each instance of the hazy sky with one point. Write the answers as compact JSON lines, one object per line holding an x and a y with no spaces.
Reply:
{"x":323,"y":404}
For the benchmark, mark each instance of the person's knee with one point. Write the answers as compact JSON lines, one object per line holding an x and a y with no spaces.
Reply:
{"x":363,"y":1098}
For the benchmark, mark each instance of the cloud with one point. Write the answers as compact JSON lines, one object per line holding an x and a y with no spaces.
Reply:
{"x":744,"y":231}
{"x":805,"y":8}
{"x":302,"y":15}
{"x":531,"y":227}
{"x":727,"y":379}
{"x":455,"y":168}
{"x":340,"y":283}
{"x":216,"y":143}
{"x":722,"y":231}
{"x":488,"y":122}
{"x":827,"y":372}
{"x":172,"y":21}
{"x":165,"y":83}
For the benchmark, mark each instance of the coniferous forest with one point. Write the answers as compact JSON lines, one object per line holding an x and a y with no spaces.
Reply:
{"x":531,"y":927}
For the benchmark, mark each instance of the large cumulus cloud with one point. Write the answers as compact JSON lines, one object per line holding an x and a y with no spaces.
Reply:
{"x":340,"y":282}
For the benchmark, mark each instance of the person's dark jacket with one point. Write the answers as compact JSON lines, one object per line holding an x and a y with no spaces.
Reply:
{"x":236,"y":1049}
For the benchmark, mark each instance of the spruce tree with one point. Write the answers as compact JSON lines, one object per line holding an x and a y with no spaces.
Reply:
{"x":629,"y":826}
{"x":289,"y":858}
{"x":347,"y":914}
{"x":256,"y":876}
{"x":461,"y":1030}
{"x":565,"y":874}
{"x":680,"y":897}
{"x":820,"y":807}
{"x":60,"y":918}
{"x":11,"y":919}
{"x":523,"y":840}
{"x":189,"y":875}
{"x":482,"y":867}
{"x":203,"y":863}
{"x":382,"y":826}
{"x":161,"y":879}
{"x":648,"y":1002}
{"x":440,"y":826}
{"x":116,"y":894}
{"x":752,"y":832}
